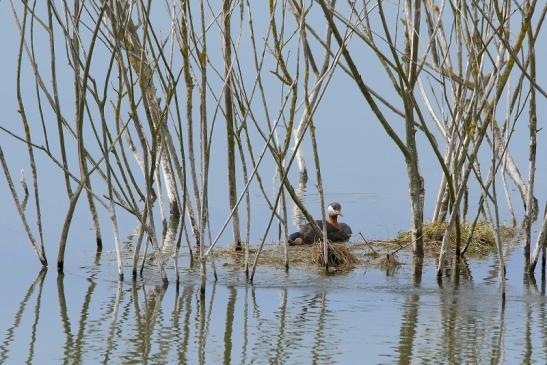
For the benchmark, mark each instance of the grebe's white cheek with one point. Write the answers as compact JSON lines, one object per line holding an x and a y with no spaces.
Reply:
{"x":331,"y":210}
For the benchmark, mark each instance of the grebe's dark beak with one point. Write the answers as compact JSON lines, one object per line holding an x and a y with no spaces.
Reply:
{"x":339,"y":213}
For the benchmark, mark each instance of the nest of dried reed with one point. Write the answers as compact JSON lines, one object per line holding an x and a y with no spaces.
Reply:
{"x":482,"y":240}
{"x":339,"y":255}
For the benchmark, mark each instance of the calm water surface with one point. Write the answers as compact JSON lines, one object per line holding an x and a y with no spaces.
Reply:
{"x":299,"y":317}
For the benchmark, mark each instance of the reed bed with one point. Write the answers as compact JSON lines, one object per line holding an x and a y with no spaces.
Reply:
{"x":481,"y":238}
{"x":340,"y":255}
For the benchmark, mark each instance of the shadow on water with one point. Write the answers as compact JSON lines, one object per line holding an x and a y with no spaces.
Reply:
{"x":335,"y":319}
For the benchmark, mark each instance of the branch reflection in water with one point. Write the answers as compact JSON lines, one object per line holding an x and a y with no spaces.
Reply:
{"x":410,"y":315}
{"x":470,"y":329}
{"x":10,"y":333}
{"x":277,"y":320}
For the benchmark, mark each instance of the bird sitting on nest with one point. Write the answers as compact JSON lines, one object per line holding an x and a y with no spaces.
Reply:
{"x":336,"y":231}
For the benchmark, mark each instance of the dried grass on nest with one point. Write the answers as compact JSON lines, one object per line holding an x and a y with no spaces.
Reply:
{"x":338,"y":255}
{"x":482,"y":242}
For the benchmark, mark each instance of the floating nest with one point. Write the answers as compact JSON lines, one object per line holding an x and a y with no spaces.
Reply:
{"x":379,"y":253}
{"x":482,"y":241}
{"x":339,"y":255}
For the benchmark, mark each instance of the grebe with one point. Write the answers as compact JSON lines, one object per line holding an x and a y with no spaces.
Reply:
{"x":336,"y":232}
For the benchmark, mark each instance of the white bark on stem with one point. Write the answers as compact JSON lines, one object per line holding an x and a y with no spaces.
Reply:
{"x":513,"y":172}
{"x":37,"y":248}
{"x":300,"y":160}
{"x":541,"y":243}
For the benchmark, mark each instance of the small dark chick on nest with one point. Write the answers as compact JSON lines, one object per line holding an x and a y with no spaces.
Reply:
{"x":336,"y":232}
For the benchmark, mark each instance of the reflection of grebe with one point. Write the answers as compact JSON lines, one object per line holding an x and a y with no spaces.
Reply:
{"x":336,"y":232}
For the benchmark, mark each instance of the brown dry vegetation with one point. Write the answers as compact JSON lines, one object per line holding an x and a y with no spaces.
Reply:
{"x":340,"y":255}
{"x":378,"y":253}
{"x":482,"y":241}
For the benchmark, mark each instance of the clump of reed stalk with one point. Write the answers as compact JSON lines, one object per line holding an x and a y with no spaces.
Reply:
{"x":338,"y":255}
{"x":481,"y":237}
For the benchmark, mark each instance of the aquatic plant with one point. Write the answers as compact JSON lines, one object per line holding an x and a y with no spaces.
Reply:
{"x":136,"y":127}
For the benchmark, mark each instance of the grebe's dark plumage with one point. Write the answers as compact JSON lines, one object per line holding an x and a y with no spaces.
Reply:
{"x":336,"y":232}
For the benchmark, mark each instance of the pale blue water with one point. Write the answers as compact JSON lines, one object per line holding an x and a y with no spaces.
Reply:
{"x":364,"y":316}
